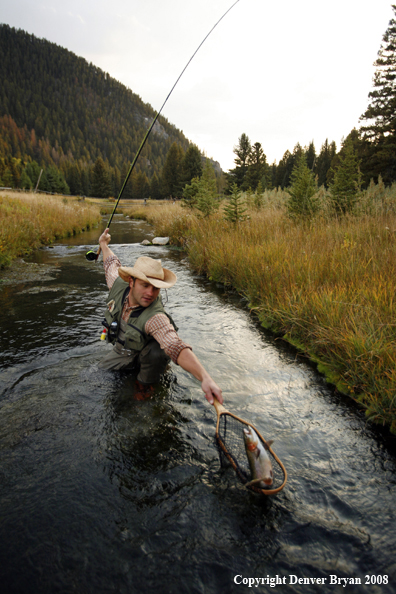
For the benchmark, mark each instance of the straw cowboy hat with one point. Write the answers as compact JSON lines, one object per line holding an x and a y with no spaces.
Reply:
{"x":149,"y":270}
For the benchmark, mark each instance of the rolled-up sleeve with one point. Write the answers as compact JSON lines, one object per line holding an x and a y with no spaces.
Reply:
{"x":111,"y":266}
{"x":160,"y":328}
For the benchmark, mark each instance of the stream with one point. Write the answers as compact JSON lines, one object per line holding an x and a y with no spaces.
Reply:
{"x":102,"y":493}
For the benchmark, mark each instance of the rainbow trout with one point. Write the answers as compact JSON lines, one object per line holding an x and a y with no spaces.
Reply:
{"x":259,"y":460}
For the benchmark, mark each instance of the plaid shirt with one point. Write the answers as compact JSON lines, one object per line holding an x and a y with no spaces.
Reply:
{"x":159,"y":326}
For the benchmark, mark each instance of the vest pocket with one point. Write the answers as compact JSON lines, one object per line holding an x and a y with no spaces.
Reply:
{"x":135,"y":339}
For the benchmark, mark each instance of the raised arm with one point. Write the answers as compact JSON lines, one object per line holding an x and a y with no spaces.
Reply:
{"x":104,"y":241}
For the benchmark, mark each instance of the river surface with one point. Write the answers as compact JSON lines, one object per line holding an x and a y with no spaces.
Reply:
{"x":102,"y":493}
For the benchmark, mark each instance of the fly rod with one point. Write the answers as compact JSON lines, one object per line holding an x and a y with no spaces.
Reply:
{"x":92,"y":255}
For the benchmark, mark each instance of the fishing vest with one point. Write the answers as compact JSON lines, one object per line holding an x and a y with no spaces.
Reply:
{"x":136,"y":337}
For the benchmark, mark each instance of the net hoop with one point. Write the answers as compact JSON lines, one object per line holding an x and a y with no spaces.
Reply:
{"x":232,"y":461}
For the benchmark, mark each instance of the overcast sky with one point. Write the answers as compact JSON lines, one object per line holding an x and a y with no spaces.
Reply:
{"x":281,"y":71}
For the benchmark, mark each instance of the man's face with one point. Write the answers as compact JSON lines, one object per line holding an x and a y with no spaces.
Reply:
{"x":142,"y":293}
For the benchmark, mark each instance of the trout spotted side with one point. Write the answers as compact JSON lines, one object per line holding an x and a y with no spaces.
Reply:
{"x":259,"y":460}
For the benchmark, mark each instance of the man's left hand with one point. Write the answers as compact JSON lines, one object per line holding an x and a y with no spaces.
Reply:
{"x":211,"y":390}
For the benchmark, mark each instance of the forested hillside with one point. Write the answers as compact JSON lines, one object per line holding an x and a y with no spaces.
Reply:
{"x":81,"y":127}
{"x":63,"y":113}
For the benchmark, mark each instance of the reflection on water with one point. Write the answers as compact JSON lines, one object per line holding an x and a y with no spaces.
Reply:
{"x":103,"y":493}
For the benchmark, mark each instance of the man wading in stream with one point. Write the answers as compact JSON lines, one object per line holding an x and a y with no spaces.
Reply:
{"x":145,"y":338}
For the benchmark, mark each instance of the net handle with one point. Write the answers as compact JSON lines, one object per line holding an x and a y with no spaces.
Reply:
{"x":219,"y":407}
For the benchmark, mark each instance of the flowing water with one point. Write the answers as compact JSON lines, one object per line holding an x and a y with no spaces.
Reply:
{"x":100,"y":492}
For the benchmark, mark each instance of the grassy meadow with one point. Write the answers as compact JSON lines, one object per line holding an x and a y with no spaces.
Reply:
{"x":328,"y":286}
{"x":29,"y":220}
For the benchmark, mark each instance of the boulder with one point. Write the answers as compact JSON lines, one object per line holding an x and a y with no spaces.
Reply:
{"x":160,"y":240}
{"x":145,"y":242}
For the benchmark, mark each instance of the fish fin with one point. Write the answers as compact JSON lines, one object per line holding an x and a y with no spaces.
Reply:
{"x":254,"y":482}
{"x":268,"y":443}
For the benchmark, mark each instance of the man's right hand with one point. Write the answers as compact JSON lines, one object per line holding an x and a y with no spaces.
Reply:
{"x":104,"y":241}
{"x":105,"y":238}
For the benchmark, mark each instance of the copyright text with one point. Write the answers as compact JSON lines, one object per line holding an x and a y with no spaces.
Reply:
{"x":330,"y":580}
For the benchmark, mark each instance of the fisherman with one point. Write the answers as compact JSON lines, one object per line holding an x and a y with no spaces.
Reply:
{"x":146,"y":338}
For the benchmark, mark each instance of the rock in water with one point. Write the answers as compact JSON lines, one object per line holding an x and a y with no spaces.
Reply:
{"x":160,"y":240}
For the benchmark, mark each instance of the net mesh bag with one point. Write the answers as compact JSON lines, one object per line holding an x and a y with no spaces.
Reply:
{"x":231,"y":444}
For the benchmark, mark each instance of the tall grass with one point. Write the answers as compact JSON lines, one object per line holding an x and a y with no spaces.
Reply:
{"x":327,"y":286}
{"x":28,"y":221}
{"x":169,"y":219}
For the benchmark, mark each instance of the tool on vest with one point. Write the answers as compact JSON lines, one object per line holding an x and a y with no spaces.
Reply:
{"x":92,"y":255}
{"x":109,"y":331}
{"x":112,"y":331}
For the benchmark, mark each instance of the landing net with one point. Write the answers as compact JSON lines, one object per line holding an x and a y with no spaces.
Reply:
{"x":231,"y":445}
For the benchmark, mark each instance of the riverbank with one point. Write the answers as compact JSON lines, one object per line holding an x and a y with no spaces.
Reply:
{"x":28,"y":221}
{"x":327,"y":287}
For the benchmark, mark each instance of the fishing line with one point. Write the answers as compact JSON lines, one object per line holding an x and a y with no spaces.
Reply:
{"x":91,"y":255}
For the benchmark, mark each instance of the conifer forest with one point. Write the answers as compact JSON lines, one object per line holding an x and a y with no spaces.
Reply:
{"x":69,"y":127}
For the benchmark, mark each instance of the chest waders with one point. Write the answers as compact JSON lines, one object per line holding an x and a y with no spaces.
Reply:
{"x":132,"y":345}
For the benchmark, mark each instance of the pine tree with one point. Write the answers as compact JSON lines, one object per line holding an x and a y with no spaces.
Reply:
{"x":100,"y":180}
{"x":323,"y":162}
{"x":380,"y":130}
{"x":115,"y":181}
{"x":141,"y":186}
{"x":310,"y":154}
{"x":155,"y":189}
{"x":190,"y":193}
{"x":74,"y":180}
{"x":266,"y":180}
{"x":16,"y":167}
{"x":283,"y":170}
{"x":345,"y":188}
{"x":257,"y":166}
{"x":192,"y":164}
{"x":206,"y":199}
{"x":286,"y":165}
{"x":238,"y":174}
{"x":85,"y":182}
{"x":128,"y":190}
{"x":8,"y":179}
{"x":235,"y":210}
{"x":172,"y":172}
{"x":44,"y":185}
{"x":302,"y":202}
{"x":26,"y":183}
{"x":56,"y":182}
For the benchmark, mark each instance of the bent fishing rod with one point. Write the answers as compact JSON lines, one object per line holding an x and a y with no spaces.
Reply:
{"x":92,"y":255}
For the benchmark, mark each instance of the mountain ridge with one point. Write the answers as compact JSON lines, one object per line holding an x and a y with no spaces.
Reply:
{"x":74,"y":111}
